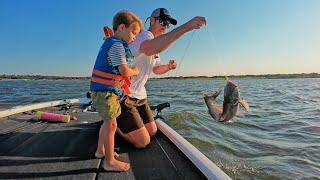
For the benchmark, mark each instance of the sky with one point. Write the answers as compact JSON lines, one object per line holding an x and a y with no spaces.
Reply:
{"x":62,"y":37}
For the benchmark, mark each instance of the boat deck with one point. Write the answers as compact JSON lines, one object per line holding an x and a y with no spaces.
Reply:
{"x":35,"y":149}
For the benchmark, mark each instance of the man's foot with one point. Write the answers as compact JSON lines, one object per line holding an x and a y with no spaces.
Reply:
{"x":101,"y":155}
{"x":116,"y":166}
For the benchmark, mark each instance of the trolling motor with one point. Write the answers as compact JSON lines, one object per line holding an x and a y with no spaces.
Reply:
{"x":159,"y":108}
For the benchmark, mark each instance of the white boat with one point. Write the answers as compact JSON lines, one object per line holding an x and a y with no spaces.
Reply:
{"x":39,"y":149}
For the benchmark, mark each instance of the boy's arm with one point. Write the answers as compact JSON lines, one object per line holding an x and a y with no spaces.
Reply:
{"x":117,"y":56}
{"x":125,"y":70}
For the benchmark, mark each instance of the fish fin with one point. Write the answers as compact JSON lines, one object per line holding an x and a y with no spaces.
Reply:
{"x":215,"y":95}
{"x":239,"y":114}
{"x":222,"y":118}
{"x":244,"y":104}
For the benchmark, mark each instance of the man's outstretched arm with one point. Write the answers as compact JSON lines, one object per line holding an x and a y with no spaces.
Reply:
{"x":162,"y":42}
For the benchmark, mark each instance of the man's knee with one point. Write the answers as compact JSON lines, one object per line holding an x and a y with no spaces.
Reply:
{"x":140,"y":138}
{"x":142,"y":143}
{"x":152,"y":128}
{"x":153,"y":132}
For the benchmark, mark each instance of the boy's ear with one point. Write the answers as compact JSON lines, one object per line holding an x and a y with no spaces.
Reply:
{"x":121,"y":27}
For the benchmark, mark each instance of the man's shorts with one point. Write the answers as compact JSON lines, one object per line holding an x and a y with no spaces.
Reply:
{"x":107,"y":104}
{"x":134,"y":114}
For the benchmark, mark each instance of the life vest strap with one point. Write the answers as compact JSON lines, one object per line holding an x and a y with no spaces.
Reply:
{"x":124,"y":83}
{"x":108,"y":75}
{"x":107,"y":82}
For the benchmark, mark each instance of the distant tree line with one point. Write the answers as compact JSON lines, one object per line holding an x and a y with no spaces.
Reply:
{"x":264,"y":76}
{"x":39,"y":77}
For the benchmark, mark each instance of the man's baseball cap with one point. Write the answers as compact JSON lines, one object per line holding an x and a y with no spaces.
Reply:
{"x":163,"y":14}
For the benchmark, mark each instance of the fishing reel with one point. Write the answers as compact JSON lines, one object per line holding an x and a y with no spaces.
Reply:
{"x":88,"y":95}
{"x":88,"y":106}
{"x":65,"y":107}
{"x":159,"y":108}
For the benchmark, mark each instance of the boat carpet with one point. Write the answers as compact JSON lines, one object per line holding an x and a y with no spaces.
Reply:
{"x":33,"y":149}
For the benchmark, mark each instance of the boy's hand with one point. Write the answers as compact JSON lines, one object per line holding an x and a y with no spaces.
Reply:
{"x":125,"y":70}
{"x":136,"y":70}
{"x":172,"y":64}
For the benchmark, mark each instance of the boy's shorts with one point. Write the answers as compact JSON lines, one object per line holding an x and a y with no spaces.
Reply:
{"x":107,"y":104}
{"x":134,"y":114}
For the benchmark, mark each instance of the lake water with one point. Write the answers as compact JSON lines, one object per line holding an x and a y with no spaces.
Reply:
{"x":278,"y":139}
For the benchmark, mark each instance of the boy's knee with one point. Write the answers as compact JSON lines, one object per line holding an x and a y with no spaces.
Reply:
{"x":112,"y":124}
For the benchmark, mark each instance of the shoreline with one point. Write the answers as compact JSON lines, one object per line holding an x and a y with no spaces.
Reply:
{"x":263,"y":76}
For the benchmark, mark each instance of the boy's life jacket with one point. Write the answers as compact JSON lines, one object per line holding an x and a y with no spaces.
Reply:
{"x":106,"y":77}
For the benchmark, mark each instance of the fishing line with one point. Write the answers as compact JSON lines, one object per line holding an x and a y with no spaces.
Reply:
{"x":214,"y":44}
{"x":184,"y":54}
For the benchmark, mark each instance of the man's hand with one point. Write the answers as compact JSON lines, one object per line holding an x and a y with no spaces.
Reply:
{"x":195,"y":23}
{"x":172,"y":64}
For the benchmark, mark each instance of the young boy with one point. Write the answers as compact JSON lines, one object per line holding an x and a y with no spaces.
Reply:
{"x":110,"y":81}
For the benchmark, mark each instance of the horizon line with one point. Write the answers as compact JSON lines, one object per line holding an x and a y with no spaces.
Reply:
{"x":232,"y":75}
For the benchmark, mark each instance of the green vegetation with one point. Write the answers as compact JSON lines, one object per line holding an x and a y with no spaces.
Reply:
{"x":264,"y":76}
{"x":39,"y":77}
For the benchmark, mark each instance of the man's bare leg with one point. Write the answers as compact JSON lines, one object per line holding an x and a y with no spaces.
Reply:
{"x":140,"y":138}
{"x":151,"y":128}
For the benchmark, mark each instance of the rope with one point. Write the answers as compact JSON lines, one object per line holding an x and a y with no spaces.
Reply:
{"x":171,"y":162}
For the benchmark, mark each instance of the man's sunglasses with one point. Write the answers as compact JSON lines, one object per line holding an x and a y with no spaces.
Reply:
{"x":163,"y":23}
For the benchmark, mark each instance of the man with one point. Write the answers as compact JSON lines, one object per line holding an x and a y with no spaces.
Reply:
{"x":136,"y":123}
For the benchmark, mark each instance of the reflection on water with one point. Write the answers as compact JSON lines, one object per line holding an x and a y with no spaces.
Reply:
{"x":278,"y":139}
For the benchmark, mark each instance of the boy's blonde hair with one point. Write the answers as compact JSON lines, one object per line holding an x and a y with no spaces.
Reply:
{"x":127,"y":18}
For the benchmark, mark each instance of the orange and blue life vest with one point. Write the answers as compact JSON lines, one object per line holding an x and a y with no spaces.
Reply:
{"x":106,"y":77}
